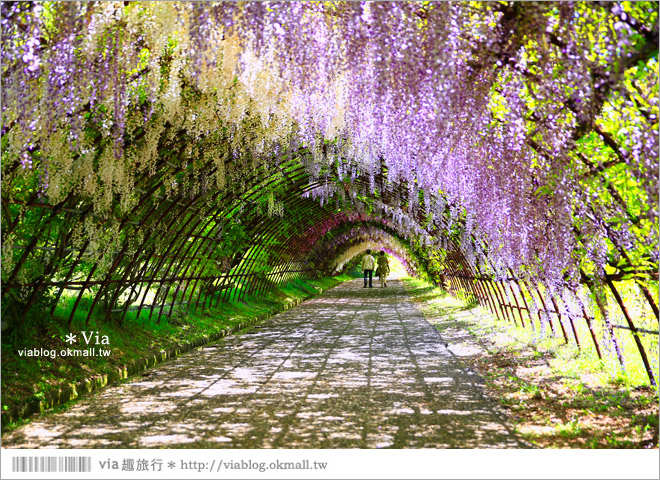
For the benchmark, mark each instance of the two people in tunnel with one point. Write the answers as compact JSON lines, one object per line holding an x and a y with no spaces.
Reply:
{"x":368,"y":264}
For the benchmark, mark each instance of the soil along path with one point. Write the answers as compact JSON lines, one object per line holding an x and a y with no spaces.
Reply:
{"x":351,"y":368}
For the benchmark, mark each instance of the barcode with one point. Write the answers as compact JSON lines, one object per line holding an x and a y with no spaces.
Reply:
{"x":51,"y":464}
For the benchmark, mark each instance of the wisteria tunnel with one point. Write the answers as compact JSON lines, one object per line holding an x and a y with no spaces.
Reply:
{"x":163,"y":157}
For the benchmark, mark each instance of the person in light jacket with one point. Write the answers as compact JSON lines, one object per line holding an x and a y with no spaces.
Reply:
{"x":383,"y":268}
{"x":368,"y":263}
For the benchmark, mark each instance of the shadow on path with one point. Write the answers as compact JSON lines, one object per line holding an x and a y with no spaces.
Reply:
{"x":352,"y":368}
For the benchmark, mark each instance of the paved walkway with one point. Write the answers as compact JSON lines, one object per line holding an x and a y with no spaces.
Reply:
{"x":351,"y":368}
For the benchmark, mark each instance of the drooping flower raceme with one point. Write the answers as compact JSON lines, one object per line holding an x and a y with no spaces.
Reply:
{"x":513,"y":119}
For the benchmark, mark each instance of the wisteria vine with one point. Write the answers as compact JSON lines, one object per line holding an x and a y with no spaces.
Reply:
{"x":509,"y":121}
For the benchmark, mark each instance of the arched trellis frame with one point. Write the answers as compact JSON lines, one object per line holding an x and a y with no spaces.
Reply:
{"x":171,"y":247}
{"x":192,"y":228}
{"x":344,"y":245}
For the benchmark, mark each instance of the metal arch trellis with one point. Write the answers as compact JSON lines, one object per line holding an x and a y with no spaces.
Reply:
{"x":460,"y":277}
{"x":191,"y":259}
{"x":466,"y":280}
{"x":180,"y":255}
{"x":246,"y":261}
{"x":357,"y":232}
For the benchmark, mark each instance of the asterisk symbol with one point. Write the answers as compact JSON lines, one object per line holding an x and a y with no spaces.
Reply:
{"x":171,"y":465}
{"x":71,"y":338}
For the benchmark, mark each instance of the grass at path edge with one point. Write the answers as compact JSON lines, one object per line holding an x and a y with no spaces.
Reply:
{"x":25,"y":379}
{"x":556,"y":397}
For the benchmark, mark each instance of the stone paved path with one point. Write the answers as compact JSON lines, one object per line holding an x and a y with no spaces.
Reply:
{"x":353,"y":367}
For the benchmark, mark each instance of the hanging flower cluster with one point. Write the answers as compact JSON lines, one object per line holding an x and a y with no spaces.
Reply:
{"x":526,"y":130}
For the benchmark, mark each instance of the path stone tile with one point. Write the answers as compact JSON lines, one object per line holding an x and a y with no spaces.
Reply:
{"x":352,"y":368}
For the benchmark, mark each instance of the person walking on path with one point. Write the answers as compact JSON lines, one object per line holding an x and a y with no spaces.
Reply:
{"x":383,"y":269}
{"x":368,"y":263}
